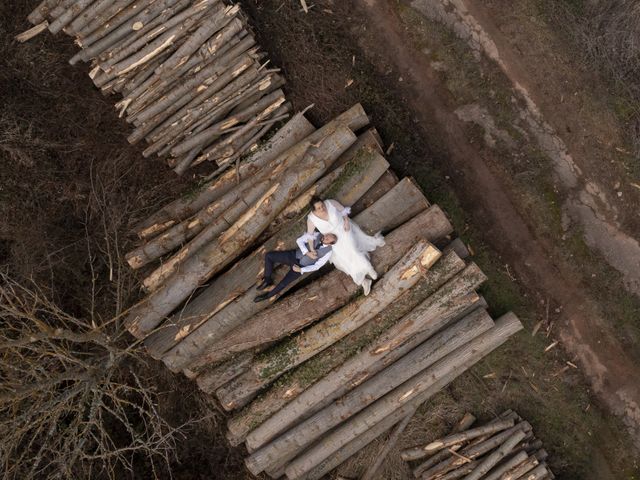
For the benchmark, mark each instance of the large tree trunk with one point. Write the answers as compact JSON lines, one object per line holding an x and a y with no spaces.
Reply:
{"x":431,"y":315}
{"x":292,"y":352}
{"x":146,"y":315}
{"x":233,"y":285}
{"x":296,"y":381}
{"x":291,"y":443}
{"x":289,"y":135}
{"x":306,"y":305}
{"x":403,"y":398}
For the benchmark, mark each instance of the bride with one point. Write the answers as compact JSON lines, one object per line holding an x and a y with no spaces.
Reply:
{"x":351,"y":251}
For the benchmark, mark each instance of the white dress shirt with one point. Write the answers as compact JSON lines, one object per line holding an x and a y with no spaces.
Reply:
{"x":301,"y":241}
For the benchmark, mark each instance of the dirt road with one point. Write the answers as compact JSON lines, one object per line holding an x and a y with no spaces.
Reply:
{"x":487,"y":197}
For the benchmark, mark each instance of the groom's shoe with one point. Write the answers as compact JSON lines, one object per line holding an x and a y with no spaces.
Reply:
{"x":261,"y":298}
{"x":366,"y":286}
{"x":264,"y":285}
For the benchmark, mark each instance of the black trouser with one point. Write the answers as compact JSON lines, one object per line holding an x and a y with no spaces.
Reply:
{"x":285,"y":257}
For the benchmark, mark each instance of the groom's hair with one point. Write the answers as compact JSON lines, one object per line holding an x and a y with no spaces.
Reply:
{"x":312,"y":203}
{"x":331,"y":238}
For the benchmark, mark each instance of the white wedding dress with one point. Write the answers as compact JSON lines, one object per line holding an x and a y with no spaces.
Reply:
{"x":351,"y":251}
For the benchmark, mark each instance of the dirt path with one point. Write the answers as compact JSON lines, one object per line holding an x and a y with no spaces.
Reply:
{"x":487,"y":198}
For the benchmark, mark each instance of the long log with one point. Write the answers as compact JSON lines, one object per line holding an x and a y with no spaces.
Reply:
{"x":295,"y":440}
{"x":230,"y":289}
{"x":294,"y":351}
{"x":415,"y":391}
{"x":308,"y":304}
{"x":520,"y":470}
{"x":512,"y":462}
{"x":290,"y":134}
{"x":431,"y":315}
{"x":492,"y":460}
{"x":372,"y":470}
{"x":442,"y":455}
{"x":224,"y":373}
{"x":146,"y":315}
{"x":468,"y":435}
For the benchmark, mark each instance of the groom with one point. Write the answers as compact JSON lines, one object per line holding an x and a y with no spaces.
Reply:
{"x":300,"y":259}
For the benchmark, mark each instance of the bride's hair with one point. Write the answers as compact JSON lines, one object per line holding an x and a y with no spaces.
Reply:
{"x":312,"y":203}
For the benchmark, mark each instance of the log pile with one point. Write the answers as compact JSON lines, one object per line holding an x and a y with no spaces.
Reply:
{"x":316,"y":376}
{"x":193,"y":82}
{"x":503,"y":449}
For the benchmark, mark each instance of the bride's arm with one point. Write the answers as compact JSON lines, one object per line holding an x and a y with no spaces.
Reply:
{"x":310,"y":229}
{"x":344,"y":211}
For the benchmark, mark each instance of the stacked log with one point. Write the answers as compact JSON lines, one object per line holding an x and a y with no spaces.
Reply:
{"x":503,"y":449}
{"x":193,"y":82}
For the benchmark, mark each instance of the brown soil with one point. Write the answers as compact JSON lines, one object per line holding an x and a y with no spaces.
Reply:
{"x":487,"y":197}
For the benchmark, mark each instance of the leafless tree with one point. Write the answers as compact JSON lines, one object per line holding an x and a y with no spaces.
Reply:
{"x":70,"y":406}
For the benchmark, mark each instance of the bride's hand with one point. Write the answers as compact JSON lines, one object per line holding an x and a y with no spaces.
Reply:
{"x":312,"y":254}
{"x":347,"y":224}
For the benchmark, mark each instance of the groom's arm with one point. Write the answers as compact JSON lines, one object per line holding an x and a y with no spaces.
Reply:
{"x":318,"y":265}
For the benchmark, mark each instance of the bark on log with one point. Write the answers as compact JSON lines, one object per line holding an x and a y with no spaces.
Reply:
{"x":72,"y":12}
{"x":468,"y":435}
{"x":146,"y":315}
{"x":385,"y":183}
{"x":200,"y":139}
{"x":154,"y":113}
{"x":289,"y":135}
{"x":492,"y":460}
{"x":156,"y":46}
{"x":189,"y":228}
{"x":474,"y":451}
{"x":521,"y":469}
{"x":235,"y":283}
{"x":294,"y":383}
{"x":294,"y":351}
{"x":122,"y":12}
{"x":41,"y":12}
{"x":224,"y":373}
{"x":330,"y":292}
{"x":111,"y":49}
{"x":372,"y":470}
{"x":89,"y":13}
{"x":514,"y":461}
{"x":411,"y":393}
{"x":295,"y":440}
{"x":32,"y":32}
{"x":461,"y":471}
{"x":212,"y":24}
{"x":221,"y":127}
{"x":109,"y":14}
{"x":431,"y":315}
{"x":538,"y":473}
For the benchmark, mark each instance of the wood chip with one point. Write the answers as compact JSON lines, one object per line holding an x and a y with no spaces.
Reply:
{"x":551,"y":346}
{"x":536,"y":328}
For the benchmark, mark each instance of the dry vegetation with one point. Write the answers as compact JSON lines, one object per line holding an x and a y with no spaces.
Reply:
{"x":606,"y":35}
